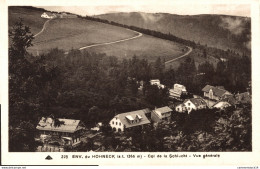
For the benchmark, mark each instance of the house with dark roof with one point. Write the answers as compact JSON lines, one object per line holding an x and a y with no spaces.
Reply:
{"x":159,"y":114}
{"x":129,"y":120}
{"x":215,"y":93}
{"x":69,"y":131}
{"x":194,"y":104}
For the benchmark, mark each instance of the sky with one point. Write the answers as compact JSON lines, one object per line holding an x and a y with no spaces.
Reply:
{"x":180,"y":9}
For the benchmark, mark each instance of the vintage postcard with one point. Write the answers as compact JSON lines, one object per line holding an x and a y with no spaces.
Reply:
{"x":130,"y":83}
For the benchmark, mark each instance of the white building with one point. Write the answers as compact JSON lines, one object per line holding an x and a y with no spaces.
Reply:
{"x":194,"y":104}
{"x":157,"y":83}
{"x":177,"y":91}
{"x":48,"y":15}
{"x":180,"y":108}
{"x":129,"y":120}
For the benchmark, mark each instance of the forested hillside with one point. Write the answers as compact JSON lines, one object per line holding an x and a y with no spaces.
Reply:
{"x":219,"y":31}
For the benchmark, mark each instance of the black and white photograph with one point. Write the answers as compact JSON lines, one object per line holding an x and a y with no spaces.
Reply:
{"x":130,"y":78}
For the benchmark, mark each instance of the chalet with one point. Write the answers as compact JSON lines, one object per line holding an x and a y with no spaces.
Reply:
{"x":48,"y":15}
{"x":177,"y":91}
{"x":163,"y":113}
{"x":194,"y":104}
{"x":129,"y":120}
{"x":157,"y":83}
{"x":215,"y":93}
{"x":69,"y":131}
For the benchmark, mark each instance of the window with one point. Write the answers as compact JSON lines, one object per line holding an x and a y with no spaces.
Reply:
{"x":188,"y":104}
{"x":112,"y":122}
{"x":116,"y":123}
{"x":119,"y":124}
{"x":178,"y":109}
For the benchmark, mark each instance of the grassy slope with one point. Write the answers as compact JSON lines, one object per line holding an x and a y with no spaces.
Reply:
{"x":145,"y":47}
{"x":213,"y":30}
{"x":30,"y":17}
{"x":75,"y":33}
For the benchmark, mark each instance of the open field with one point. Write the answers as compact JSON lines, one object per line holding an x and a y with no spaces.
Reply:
{"x":145,"y":47}
{"x":30,"y":18}
{"x":76,"y":33}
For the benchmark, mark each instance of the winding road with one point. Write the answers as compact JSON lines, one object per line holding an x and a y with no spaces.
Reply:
{"x":43,"y":28}
{"x":109,"y":43}
{"x":118,"y":41}
{"x":187,"y":53}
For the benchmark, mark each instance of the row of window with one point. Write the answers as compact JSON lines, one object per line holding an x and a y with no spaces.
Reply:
{"x":116,"y":123}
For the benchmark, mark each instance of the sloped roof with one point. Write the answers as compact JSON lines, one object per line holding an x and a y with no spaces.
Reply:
{"x":134,"y":114}
{"x":164,"y":109}
{"x":224,"y":103}
{"x":70,"y":125}
{"x":176,"y":92}
{"x":179,"y":86}
{"x":196,"y":101}
{"x":216,"y":91}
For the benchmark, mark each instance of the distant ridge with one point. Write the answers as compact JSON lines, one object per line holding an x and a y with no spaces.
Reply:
{"x":220,"y":31}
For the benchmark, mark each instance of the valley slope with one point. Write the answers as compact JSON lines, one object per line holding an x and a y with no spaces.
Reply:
{"x":219,"y":31}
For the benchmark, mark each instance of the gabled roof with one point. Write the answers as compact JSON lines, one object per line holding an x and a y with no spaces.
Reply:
{"x":196,"y":101}
{"x":164,"y":109}
{"x":70,"y":125}
{"x":139,"y":114}
{"x":216,"y":91}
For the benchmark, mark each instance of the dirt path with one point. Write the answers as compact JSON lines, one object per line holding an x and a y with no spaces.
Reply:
{"x":43,"y":28}
{"x":109,"y":43}
{"x":187,"y":53}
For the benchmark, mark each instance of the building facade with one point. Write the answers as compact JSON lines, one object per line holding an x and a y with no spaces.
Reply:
{"x":68,"y":132}
{"x":177,"y":91}
{"x":129,"y":120}
{"x":160,"y":114}
{"x":194,"y":104}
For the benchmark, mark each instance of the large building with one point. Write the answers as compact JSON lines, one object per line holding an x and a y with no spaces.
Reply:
{"x":129,"y":120}
{"x":161,"y":114}
{"x":177,"y":91}
{"x":68,"y":132}
{"x":215,"y":93}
